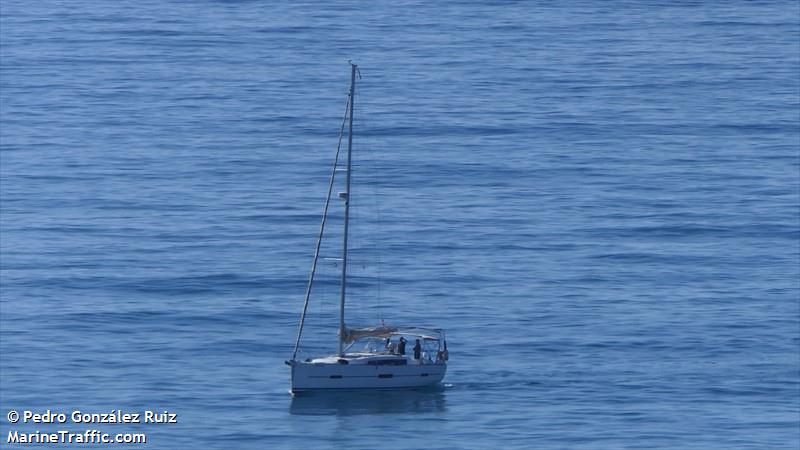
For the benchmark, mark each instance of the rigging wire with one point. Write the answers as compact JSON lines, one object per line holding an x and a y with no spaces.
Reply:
{"x":321,"y":230}
{"x":374,"y":177}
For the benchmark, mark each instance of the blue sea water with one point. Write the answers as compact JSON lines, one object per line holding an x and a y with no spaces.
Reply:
{"x":599,"y":201}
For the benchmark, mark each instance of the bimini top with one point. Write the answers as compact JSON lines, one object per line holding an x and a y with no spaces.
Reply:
{"x":353,"y":334}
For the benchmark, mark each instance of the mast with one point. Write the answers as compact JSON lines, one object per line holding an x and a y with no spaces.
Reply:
{"x":346,"y":209}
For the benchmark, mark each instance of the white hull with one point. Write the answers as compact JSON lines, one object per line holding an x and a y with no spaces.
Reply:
{"x":333,"y":375}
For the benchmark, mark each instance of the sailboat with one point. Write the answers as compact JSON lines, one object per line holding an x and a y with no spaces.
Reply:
{"x":377,"y":357}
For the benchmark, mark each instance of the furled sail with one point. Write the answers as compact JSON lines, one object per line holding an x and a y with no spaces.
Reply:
{"x":352,"y":334}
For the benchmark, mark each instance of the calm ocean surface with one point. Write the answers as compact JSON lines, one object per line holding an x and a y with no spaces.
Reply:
{"x":599,"y":201}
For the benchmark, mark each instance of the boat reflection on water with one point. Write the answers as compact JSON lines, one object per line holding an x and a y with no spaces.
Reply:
{"x":358,"y":402}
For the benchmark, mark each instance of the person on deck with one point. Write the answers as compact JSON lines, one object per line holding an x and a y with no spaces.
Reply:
{"x":401,"y":347}
{"x":417,"y":350}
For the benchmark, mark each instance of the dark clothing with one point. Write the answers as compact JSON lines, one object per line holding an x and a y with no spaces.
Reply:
{"x":417,"y":350}
{"x":401,"y":347}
